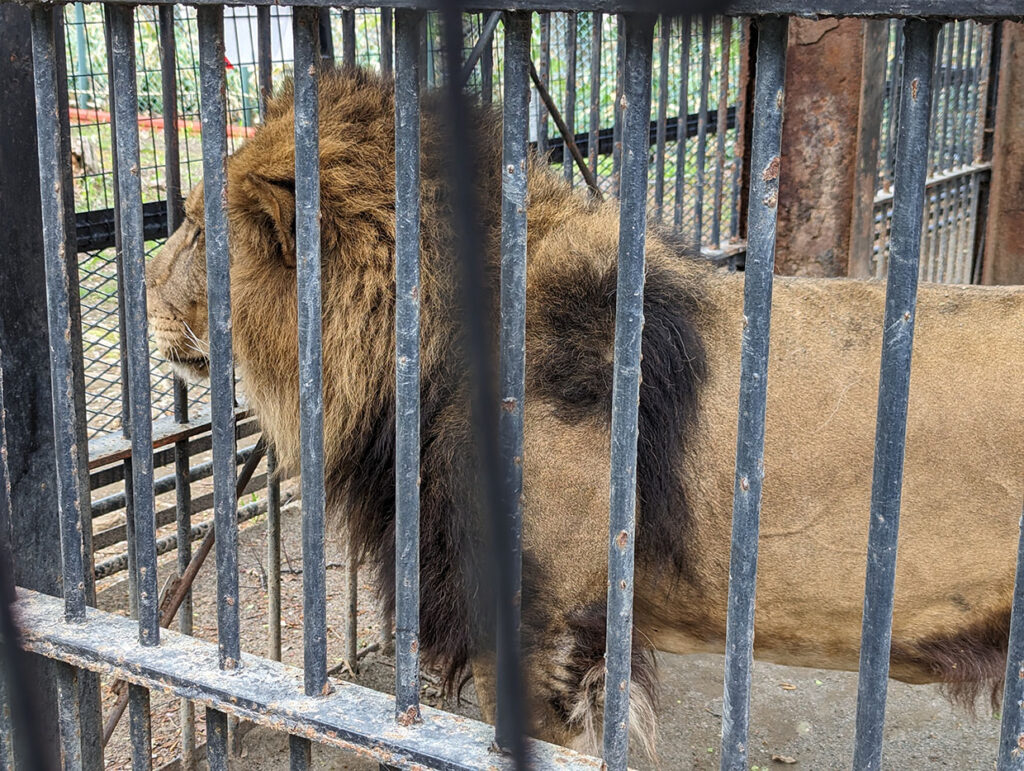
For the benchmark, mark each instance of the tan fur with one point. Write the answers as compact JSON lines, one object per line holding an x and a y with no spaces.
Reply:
{"x":963,"y":484}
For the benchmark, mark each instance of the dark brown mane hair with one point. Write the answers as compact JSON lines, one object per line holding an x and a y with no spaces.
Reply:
{"x":570,"y":327}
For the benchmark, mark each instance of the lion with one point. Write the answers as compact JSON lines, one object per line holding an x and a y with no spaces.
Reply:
{"x":962,"y":488}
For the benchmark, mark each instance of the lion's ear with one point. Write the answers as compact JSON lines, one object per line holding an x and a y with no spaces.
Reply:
{"x":277,"y":199}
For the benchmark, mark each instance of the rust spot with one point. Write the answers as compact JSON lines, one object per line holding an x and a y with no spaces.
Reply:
{"x":229,"y":600}
{"x":622,"y":539}
{"x":913,"y":89}
{"x":1020,"y":741}
{"x":771,"y":171}
{"x":771,"y":199}
{"x":415,"y":292}
{"x":414,"y":646}
{"x":508,"y":404}
{"x":744,"y":483}
{"x":622,"y":584}
{"x":327,"y":689}
{"x":510,"y":169}
{"x":410,"y":716}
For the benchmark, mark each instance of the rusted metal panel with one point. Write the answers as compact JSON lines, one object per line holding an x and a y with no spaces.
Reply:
{"x":270,"y":694}
{"x":1004,"y":239}
{"x":819,"y":146}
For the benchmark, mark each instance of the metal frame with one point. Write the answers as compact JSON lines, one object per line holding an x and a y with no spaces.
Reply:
{"x":398,"y":731}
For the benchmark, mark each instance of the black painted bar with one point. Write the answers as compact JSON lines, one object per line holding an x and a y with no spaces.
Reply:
{"x":569,"y":114}
{"x":664,"y":41}
{"x":702,"y":129}
{"x":629,"y":315}
{"x":545,"y":78}
{"x":348,"y":37}
{"x":595,"y":90}
{"x":214,"y":117}
{"x":766,"y":148}
{"x":122,"y":39}
{"x":1012,"y":724}
{"x":311,"y":409}
{"x":139,"y":728}
{"x":263,"y":51}
{"x":407,"y":368}
{"x":516,"y":114}
{"x":58,"y":310}
{"x":681,"y":127}
{"x":721,"y":115}
{"x":386,"y":41}
{"x":68,"y":680}
{"x":216,"y":737}
{"x":894,"y":386}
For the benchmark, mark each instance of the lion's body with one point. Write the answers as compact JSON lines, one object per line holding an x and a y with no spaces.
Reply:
{"x":963,"y":486}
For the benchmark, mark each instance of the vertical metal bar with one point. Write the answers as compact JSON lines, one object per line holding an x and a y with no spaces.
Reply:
{"x":216,"y":722}
{"x":1011,"y":730}
{"x":665,"y":32}
{"x":263,"y":54}
{"x":300,"y":753}
{"x":629,"y":319}
{"x":351,"y":592}
{"x":595,"y":91}
{"x":487,"y":71}
{"x":407,"y":369}
{"x":182,"y":480}
{"x":386,"y":38}
{"x":962,"y":118}
{"x":139,"y":728}
{"x":326,"y":49}
{"x":569,"y":115}
{"x":311,"y":409}
{"x":702,"y":128}
{"x":68,"y":715}
{"x":122,"y":40}
{"x":893,"y":388}
{"x":214,"y":117}
{"x":765,"y":161}
{"x":348,"y":37}
{"x":545,"y":79}
{"x":513,"y":341}
{"x":62,"y":367}
{"x":682,"y":120}
{"x":722,"y":109}
{"x":620,"y":54}
{"x":273,"y":557}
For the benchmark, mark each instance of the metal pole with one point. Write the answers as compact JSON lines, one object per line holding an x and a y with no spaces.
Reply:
{"x":765,"y":161}
{"x":407,"y":369}
{"x":629,"y":319}
{"x":894,"y":386}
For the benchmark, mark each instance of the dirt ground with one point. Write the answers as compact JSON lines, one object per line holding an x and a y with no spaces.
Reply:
{"x":799,"y":717}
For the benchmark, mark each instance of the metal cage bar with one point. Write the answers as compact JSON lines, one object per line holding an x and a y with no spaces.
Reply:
{"x":569,"y":116}
{"x":595,"y":91}
{"x":685,"y":25}
{"x":722,"y":114}
{"x":58,"y":305}
{"x":140,"y":728}
{"x":136,"y":343}
{"x":222,"y":384}
{"x":1011,"y":727}
{"x":702,"y":129}
{"x":629,"y":314}
{"x":911,"y":170}
{"x":310,"y":354}
{"x":407,"y":365}
{"x":513,"y":345}
{"x":664,"y":48}
{"x":765,"y":161}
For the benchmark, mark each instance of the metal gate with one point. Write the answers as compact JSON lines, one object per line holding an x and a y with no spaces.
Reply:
{"x":396,"y":731}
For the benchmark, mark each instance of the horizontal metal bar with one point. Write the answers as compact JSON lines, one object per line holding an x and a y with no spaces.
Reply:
{"x":168,"y":543}
{"x":885,"y":196}
{"x":164,"y":484}
{"x":949,"y":9}
{"x":166,"y":516}
{"x":109,"y":449}
{"x":94,"y":230}
{"x":269,"y":694}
